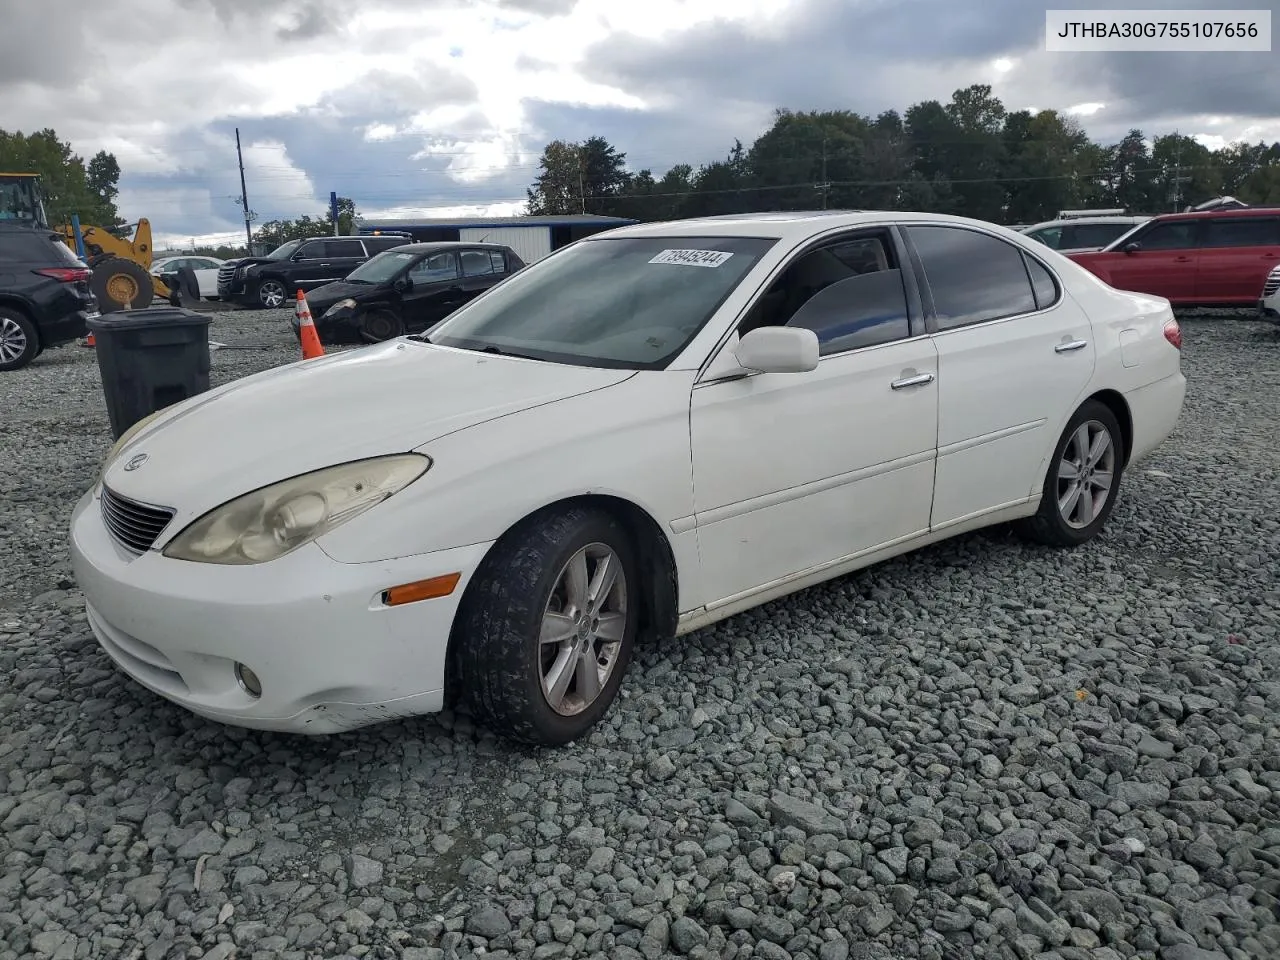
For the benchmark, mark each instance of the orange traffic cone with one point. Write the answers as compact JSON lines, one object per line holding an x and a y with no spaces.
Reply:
{"x":311,"y":346}
{"x":89,"y":341}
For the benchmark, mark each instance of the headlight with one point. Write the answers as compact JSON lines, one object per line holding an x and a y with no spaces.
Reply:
{"x":347,"y":304}
{"x":272,"y":521}
{"x":125,"y":437}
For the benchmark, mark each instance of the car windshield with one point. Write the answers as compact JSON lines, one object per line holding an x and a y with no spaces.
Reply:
{"x":629,"y":302}
{"x":285,"y":250}
{"x":380,"y":268}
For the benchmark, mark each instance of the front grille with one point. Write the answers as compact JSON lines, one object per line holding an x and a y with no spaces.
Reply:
{"x":1272,"y":284}
{"x":135,"y":526}
{"x":226,"y":273}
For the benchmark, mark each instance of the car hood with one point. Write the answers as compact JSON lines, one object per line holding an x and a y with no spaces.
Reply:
{"x":253,"y":261}
{"x":375,"y":400}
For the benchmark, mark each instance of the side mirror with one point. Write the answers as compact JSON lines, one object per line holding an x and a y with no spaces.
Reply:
{"x":778,"y":350}
{"x":403,"y":285}
{"x":1133,"y":246}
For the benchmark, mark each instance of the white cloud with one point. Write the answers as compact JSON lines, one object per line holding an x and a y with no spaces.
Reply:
{"x":270,"y":160}
{"x":406,"y":104}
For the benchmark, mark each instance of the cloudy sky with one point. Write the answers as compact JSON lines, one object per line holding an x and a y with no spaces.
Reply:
{"x":445,"y":105}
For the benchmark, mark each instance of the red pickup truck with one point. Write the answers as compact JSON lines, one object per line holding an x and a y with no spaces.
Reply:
{"x":1205,"y":258}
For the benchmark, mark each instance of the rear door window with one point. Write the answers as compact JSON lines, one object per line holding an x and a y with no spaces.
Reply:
{"x":1245,"y":232}
{"x":345,"y":249}
{"x":972,"y":276}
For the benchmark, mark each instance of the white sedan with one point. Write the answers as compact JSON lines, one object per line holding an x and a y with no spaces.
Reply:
{"x":656,"y":428}
{"x":205,"y":269}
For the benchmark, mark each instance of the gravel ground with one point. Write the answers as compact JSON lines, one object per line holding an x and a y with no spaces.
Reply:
{"x":981,"y":750}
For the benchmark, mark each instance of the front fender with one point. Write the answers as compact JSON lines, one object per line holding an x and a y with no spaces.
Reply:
{"x":629,"y":440}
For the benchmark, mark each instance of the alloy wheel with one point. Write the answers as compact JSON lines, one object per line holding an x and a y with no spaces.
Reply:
{"x":582,"y":629}
{"x":271,"y":294}
{"x":1085,"y":474}
{"x":13,"y":340}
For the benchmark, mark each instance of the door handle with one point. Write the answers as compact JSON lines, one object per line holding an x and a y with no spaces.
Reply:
{"x":917,"y":380}
{"x":1071,"y":345}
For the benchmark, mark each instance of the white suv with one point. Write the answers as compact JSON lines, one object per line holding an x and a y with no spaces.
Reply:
{"x":1269,"y":303}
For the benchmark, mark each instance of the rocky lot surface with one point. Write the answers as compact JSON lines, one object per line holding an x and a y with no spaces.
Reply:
{"x":981,"y":750}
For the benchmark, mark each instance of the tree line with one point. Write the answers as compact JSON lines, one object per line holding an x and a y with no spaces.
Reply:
{"x":970,"y":157}
{"x":71,"y":185}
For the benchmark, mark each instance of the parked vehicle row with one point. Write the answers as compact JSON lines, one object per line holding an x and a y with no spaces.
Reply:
{"x":271,"y":281}
{"x":650,"y":430}
{"x":1216,"y":257}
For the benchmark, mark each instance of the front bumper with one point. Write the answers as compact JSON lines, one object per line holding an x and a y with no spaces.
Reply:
{"x":329,"y":654}
{"x":1269,"y":310}
{"x":339,"y":327}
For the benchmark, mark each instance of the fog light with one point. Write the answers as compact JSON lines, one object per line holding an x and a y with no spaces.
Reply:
{"x":248,"y":681}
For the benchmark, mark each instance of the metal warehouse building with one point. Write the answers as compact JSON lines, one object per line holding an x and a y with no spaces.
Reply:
{"x":531,"y":237}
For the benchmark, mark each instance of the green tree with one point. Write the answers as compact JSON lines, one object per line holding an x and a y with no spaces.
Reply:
{"x":1044,"y":168}
{"x":70,"y":186}
{"x":587,"y":177}
{"x":967,"y":156}
{"x":272,"y":233}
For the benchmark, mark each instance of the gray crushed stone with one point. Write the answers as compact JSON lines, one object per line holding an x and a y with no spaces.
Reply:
{"x":984,"y":750}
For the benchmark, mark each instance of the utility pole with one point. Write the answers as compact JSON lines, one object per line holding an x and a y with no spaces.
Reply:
{"x":582,"y":189}
{"x":244,"y":199}
{"x":824,"y":186}
{"x":1175,"y":194}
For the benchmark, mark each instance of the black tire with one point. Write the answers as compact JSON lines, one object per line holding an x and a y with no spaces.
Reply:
{"x":1048,"y":526}
{"x":118,"y":273}
{"x":190,"y":284}
{"x":379,"y":325}
{"x":265,"y":289}
{"x":19,"y":340}
{"x":496,"y":636}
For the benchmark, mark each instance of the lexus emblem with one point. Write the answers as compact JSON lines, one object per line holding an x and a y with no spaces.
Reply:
{"x":135,"y":462}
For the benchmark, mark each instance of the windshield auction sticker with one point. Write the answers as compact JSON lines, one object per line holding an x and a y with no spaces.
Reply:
{"x":692,"y":258}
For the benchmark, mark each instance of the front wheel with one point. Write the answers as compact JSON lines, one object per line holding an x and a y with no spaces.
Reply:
{"x":1082,"y":482}
{"x":379,"y":325}
{"x":271,"y":294}
{"x":547,"y":627}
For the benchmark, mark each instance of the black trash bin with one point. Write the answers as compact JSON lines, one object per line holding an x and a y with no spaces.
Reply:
{"x":150,"y":359}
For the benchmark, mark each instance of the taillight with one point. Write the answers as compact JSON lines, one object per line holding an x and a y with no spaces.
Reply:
{"x":67,"y":274}
{"x":1173,"y":333}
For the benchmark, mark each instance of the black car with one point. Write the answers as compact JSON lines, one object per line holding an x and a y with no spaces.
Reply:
{"x":44,"y":294}
{"x":272,"y":280}
{"x":407,"y":290}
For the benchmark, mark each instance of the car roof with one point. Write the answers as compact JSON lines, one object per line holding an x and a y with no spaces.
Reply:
{"x":1133,"y":218}
{"x":438,"y":246}
{"x":785,"y":225}
{"x":1221,"y":214}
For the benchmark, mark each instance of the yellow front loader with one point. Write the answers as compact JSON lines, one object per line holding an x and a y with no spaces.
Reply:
{"x":121,"y":266}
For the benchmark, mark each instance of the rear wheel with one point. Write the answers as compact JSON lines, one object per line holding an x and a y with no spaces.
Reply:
{"x":120,"y":284}
{"x":546,"y":629}
{"x":379,"y":325}
{"x":19,"y":342}
{"x":1082,"y":482}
